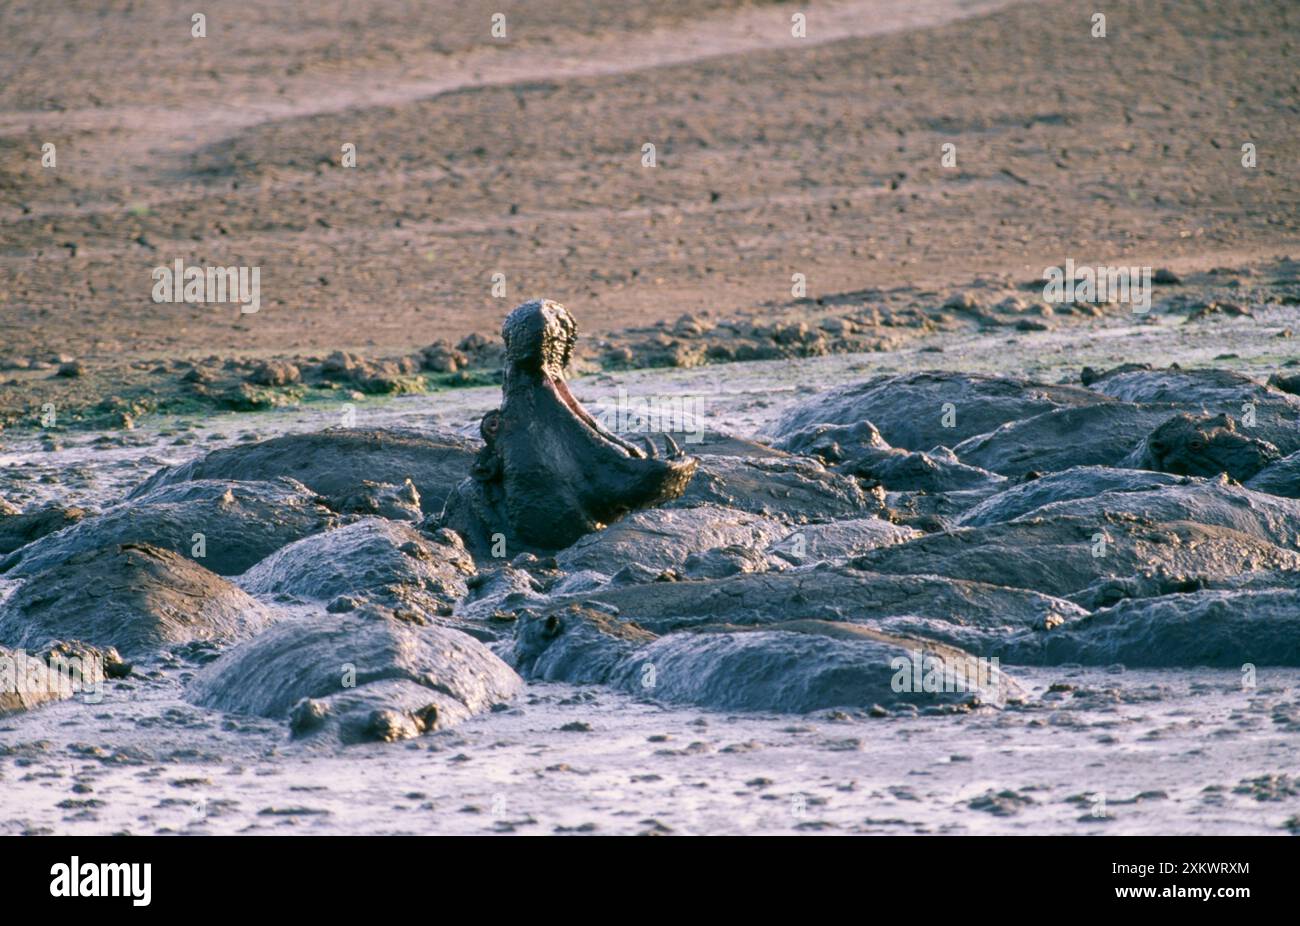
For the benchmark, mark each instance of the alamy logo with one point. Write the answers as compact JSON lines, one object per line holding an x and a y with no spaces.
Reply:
{"x":87,"y":879}
{"x":56,"y":674}
{"x":683,"y":414}
{"x":921,"y":672}
{"x":1099,"y":284}
{"x":179,"y":283}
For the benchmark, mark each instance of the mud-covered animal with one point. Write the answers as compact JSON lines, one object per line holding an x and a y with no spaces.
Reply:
{"x":1075,"y":482}
{"x":859,"y":450}
{"x":225,"y":526}
{"x":549,"y":472}
{"x":970,"y":614}
{"x":1207,"y":627}
{"x":371,"y":561}
{"x":362,"y":678}
{"x":793,"y":666}
{"x":1089,"y":435}
{"x":1203,"y":445}
{"x":337,"y":463}
{"x":793,"y":489}
{"x":131,"y":596}
{"x":919,"y":411}
{"x":1261,"y":411}
{"x":19,"y":528}
{"x":1279,"y":478}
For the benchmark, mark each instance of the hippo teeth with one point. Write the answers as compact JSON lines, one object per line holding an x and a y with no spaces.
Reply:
{"x":674,"y":451}
{"x":652,"y":453}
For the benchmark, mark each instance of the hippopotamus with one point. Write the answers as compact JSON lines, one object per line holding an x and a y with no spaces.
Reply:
{"x":549,"y":472}
{"x":1203,"y":445}
{"x":1264,"y":412}
{"x":794,"y":666}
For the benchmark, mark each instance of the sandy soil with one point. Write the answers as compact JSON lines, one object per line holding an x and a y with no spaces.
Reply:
{"x":775,"y":156}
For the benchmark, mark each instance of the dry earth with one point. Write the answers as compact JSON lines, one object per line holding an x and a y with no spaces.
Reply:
{"x":478,"y":155}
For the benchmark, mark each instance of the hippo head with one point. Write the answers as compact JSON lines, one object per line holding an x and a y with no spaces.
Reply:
{"x":549,"y":472}
{"x":1205,"y":445}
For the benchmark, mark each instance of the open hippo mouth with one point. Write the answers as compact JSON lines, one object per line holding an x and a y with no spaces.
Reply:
{"x":561,"y":390}
{"x":562,"y":473}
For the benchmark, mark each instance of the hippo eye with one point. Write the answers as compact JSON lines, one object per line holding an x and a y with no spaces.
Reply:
{"x":1196,"y":444}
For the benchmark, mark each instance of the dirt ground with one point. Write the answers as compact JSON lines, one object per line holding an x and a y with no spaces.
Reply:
{"x":522,"y":156}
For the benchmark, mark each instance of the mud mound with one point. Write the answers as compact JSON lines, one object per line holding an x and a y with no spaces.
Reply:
{"x":663,"y":539}
{"x":224,"y":526}
{"x":919,"y":411}
{"x":794,"y":666}
{"x":1063,"y":555}
{"x":804,"y":666}
{"x":839,"y":540}
{"x":1076,"y":482}
{"x":1227,"y":629}
{"x":336,"y":462}
{"x":1209,"y":502}
{"x":371,"y":560}
{"x":1092,"y":435}
{"x":363,"y":678}
{"x":793,"y":489}
{"x":971,"y":614}
{"x":134,"y":597}
{"x":1279,"y":478}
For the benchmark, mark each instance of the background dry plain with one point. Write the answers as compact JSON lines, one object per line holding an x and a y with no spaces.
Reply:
{"x":522,"y":156}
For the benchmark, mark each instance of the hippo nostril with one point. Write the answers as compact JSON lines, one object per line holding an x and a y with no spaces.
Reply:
{"x":1158,"y":446}
{"x":552,"y":626}
{"x":1196,"y":444}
